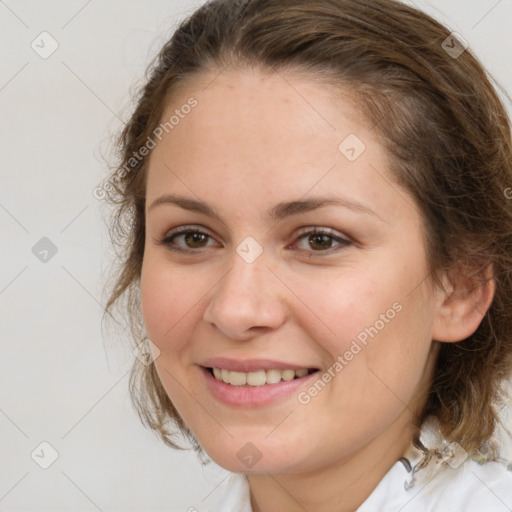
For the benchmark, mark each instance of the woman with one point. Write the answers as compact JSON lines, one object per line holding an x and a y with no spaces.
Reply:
{"x":312,"y":199}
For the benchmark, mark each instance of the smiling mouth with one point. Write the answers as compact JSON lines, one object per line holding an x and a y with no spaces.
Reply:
{"x":259,"y":377}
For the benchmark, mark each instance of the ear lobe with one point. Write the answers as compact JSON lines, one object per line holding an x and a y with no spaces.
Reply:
{"x":464,"y":303}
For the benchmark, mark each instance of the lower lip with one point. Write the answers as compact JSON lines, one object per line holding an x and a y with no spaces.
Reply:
{"x":252,"y":396}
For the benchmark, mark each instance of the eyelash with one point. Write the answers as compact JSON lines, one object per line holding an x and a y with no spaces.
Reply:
{"x":304,"y":233}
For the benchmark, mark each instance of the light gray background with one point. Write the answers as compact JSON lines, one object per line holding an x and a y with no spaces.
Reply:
{"x":61,"y":381}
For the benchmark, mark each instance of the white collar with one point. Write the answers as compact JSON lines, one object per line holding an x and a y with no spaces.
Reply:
{"x":419,"y":482}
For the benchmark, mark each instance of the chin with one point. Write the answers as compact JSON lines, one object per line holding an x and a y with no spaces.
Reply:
{"x":251,"y":458}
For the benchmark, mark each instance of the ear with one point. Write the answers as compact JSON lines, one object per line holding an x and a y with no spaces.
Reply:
{"x":468,"y":294}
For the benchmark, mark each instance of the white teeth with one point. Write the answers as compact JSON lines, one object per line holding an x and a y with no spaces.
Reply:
{"x":273,"y":376}
{"x":237,"y":378}
{"x":288,"y":374}
{"x":257,"y":378}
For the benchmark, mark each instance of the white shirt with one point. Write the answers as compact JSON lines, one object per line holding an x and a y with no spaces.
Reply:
{"x":416,"y":483}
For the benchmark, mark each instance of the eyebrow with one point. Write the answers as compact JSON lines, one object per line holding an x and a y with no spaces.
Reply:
{"x":278,"y":212}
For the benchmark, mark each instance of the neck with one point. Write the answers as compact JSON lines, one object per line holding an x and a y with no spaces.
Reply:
{"x":340,"y":487}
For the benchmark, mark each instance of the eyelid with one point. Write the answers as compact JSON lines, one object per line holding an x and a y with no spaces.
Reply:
{"x":189,"y":228}
{"x":342,"y":240}
{"x":320,"y":230}
{"x":186,"y":228}
{"x":303,"y":230}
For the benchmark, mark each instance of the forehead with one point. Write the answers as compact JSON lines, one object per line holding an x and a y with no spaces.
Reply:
{"x":293,"y":105}
{"x":262,"y":135}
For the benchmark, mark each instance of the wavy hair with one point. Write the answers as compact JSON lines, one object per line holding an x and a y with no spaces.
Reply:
{"x":447,"y":136}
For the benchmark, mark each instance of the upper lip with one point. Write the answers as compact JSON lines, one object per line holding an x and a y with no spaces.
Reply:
{"x":251,"y":365}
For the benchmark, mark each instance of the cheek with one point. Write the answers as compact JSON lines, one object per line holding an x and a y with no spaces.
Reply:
{"x":399,"y":353}
{"x":376,"y":324}
{"x":343,"y":306}
{"x":168,"y":300}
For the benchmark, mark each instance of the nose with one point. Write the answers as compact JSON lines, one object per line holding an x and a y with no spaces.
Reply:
{"x":248,"y":301}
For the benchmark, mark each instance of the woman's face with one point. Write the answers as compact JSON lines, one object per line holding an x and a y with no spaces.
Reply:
{"x":255,"y":291}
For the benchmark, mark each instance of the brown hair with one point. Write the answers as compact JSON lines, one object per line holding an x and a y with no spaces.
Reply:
{"x":447,"y":136}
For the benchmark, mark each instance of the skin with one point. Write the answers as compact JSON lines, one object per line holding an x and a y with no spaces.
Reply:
{"x":251,"y":142}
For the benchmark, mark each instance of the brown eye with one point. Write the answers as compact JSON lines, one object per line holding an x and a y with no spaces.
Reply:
{"x":186,"y":239}
{"x":321,"y":240}
{"x":194,"y":239}
{"x":317,"y":241}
